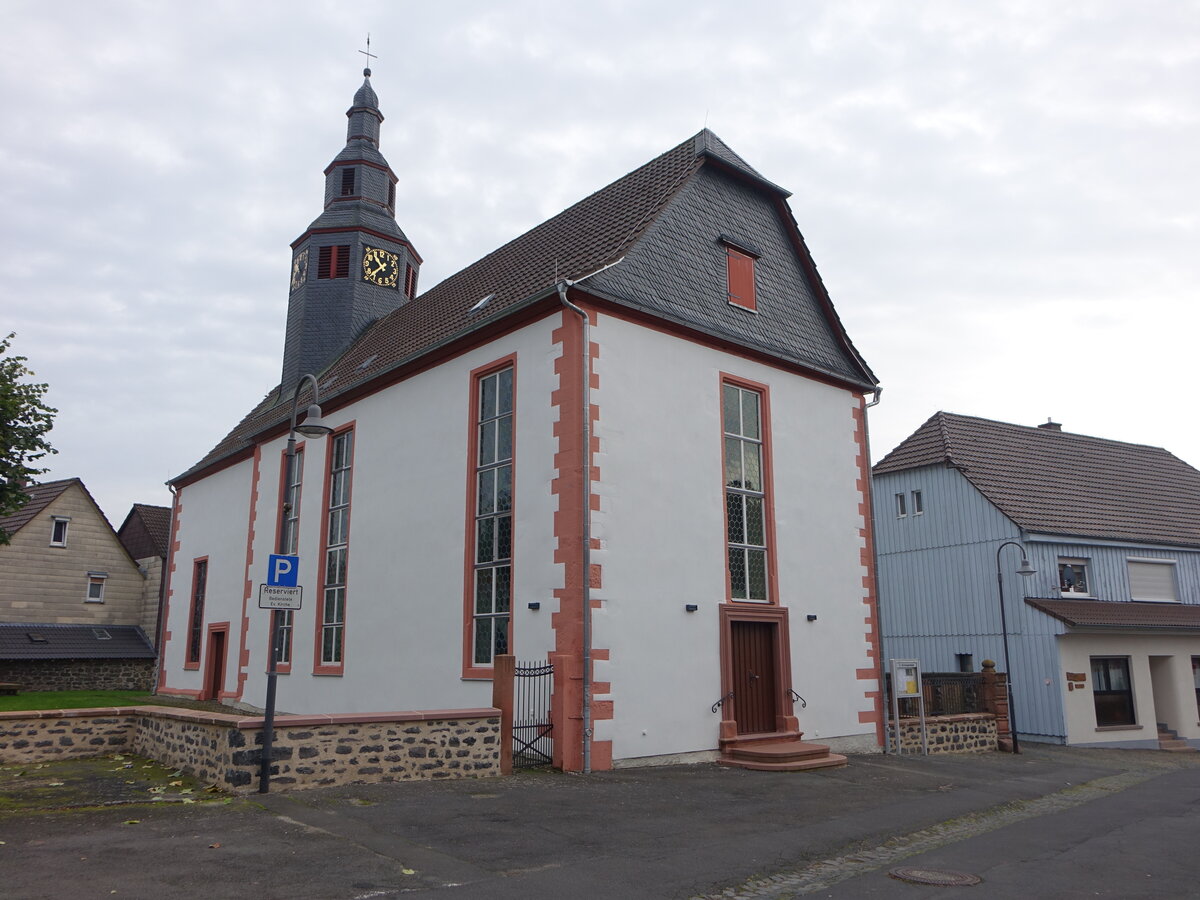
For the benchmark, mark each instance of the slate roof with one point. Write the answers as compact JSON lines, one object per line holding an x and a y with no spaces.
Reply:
{"x":1120,"y":613}
{"x":1056,"y":482}
{"x":597,"y":231}
{"x":74,"y":642}
{"x":40,"y":496}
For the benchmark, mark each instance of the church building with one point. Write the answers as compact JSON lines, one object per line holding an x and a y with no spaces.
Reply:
{"x":630,"y":442}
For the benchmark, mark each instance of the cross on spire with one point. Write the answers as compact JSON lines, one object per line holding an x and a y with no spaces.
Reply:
{"x":369,"y":55}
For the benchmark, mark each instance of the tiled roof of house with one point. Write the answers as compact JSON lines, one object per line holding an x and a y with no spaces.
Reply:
{"x":40,"y":496}
{"x":595,"y":232}
{"x":1126,"y":614}
{"x":1056,"y":482}
{"x":157,"y":520}
{"x":41,"y":641}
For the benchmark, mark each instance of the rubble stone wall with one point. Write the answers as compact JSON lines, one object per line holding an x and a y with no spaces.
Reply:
{"x":308,"y":751}
{"x":964,"y":733}
{"x":79,"y":674}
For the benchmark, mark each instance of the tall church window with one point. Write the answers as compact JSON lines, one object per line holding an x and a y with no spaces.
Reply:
{"x":747,"y":500}
{"x":490,"y":563}
{"x":334,"y":262}
{"x":289,"y":543}
{"x":332,"y":614}
{"x":196,"y":613}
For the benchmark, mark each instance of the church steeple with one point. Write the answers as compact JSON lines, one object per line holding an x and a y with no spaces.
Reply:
{"x":353,"y":264}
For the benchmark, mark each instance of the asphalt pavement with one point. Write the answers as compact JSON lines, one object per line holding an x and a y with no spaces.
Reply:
{"x":1051,"y":822}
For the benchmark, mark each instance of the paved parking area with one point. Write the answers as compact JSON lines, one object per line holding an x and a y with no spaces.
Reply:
{"x":688,"y":831}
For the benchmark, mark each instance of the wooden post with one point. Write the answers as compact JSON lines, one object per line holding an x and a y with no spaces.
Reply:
{"x":503,"y":669}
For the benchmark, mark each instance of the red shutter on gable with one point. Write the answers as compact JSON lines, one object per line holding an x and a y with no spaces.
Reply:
{"x":333,"y":262}
{"x":741,"y":278}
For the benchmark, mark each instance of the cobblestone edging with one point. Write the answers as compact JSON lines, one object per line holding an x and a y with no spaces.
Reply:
{"x":308,"y":751}
{"x":823,"y":874}
{"x":962,"y":733}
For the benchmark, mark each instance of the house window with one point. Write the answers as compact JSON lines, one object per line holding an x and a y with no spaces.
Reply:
{"x":1152,"y":580}
{"x":348,"y":181}
{"x":95,"y":588}
{"x":492,"y":567}
{"x":58,"y":531}
{"x":334,"y":262}
{"x":901,"y":506}
{"x":745,"y":493}
{"x":289,"y":539}
{"x":1196,"y":680}
{"x":1112,"y":690}
{"x":196,"y":619}
{"x":1073,"y":576}
{"x":410,"y":280}
{"x":337,"y":550}
{"x":918,"y":503}
{"x":739,"y":271}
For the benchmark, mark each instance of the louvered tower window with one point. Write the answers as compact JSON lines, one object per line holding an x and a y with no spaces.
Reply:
{"x":348,"y":181}
{"x":334,"y":262}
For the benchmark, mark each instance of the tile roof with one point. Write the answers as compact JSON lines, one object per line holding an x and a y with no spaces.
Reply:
{"x":1056,"y":482}
{"x":40,"y":496}
{"x":74,"y":642}
{"x":1124,"y":613}
{"x":595,"y":232}
{"x":157,"y":520}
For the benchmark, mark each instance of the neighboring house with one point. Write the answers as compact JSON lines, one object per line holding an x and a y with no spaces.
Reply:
{"x":1105,"y":636}
{"x":146,"y":535}
{"x":700,"y":534}
{"x":65,"y":567}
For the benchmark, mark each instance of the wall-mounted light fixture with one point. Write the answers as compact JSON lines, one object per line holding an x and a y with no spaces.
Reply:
{"x":535,"y":605}
{"x":812,"y":617}
{"x":691,"y":607}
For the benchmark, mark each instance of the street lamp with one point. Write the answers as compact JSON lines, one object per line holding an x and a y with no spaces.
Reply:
{"x":1025,"y":570}
{"x":313,"y":426}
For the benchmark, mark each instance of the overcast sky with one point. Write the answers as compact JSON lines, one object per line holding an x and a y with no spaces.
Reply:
{"x":1003,"y":198}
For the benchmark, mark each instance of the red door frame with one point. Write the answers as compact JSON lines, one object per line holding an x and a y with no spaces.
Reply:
{"x":785,"y":719}
{"x":214,"y":671}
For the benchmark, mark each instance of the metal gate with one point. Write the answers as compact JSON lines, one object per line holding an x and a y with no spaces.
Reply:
{"x":533,"y":730}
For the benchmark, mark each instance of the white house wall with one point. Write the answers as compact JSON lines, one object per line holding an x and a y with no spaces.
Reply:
{"x":211,"y":523}
{"x":1176,"y":706}
{"x":661,"y":527}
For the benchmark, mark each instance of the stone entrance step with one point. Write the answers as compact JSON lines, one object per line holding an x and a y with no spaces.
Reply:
{"x":780,"y":756}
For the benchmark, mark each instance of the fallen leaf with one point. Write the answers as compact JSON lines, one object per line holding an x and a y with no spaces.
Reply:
{"x":132,"y":822}
{"x":408,"y":871}
{"x":186,"y":791}
{"x":54,"y":783}
{"x":176,"y":783}
{"x":189,"y":800}
{"x":214,"y":846}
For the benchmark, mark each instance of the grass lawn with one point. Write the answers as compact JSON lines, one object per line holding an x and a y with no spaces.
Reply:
{"x":83,"y":699}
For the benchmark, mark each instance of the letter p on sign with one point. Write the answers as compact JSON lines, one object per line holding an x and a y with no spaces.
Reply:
{"x":282,"y":570}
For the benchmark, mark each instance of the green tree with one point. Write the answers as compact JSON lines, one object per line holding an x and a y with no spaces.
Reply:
{"x":24,"y":422}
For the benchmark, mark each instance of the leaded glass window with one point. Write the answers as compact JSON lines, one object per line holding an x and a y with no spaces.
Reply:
{"x":492,"y":603}
{"x":337,"y":549}
{"x":745,"y":494}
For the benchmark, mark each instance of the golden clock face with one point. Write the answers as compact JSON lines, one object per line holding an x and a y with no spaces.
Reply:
{"x":381,"y":267}
{"x":300,"y":268}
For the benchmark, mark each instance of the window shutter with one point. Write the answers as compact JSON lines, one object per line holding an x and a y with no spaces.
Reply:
{"x":348,"y":181}
{"x":324,"y":260}
{"x":392,"y":194}
{"x":1152,"y":581}
{"x":410,"y":280}
{"x":741,"y":278}
{"x":341,"y":265}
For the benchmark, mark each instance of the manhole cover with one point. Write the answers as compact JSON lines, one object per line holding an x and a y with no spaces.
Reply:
{"x":943,"y":877}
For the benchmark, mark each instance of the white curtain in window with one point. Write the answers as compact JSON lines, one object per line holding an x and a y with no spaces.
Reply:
{"x":1151,"y":581}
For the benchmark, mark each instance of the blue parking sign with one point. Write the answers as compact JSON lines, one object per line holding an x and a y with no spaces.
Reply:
{"x":282,"y":570}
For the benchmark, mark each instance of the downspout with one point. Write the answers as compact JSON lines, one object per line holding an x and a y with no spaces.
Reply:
{"x":585,"y":461}
{"x":881,"y":665}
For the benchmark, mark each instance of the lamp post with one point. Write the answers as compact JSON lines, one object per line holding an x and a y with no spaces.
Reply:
{"x":1025,"y":570}
{"x":313,"y":426}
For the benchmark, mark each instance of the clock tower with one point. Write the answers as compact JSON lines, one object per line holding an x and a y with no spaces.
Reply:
{"x":353,"y":264}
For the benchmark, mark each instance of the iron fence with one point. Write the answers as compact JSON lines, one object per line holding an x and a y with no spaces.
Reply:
{"x":945,"y":693}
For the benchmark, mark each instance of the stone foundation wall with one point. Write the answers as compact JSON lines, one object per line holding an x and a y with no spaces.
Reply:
{"x":79,"y":674}
{"x":964,"y":733}
{"x":308,"y":751}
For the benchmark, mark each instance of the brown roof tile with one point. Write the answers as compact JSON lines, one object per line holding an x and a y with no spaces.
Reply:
{"x":1061,"y":483}
{"x":1118,"y":613}
{"x":40,"y":496}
